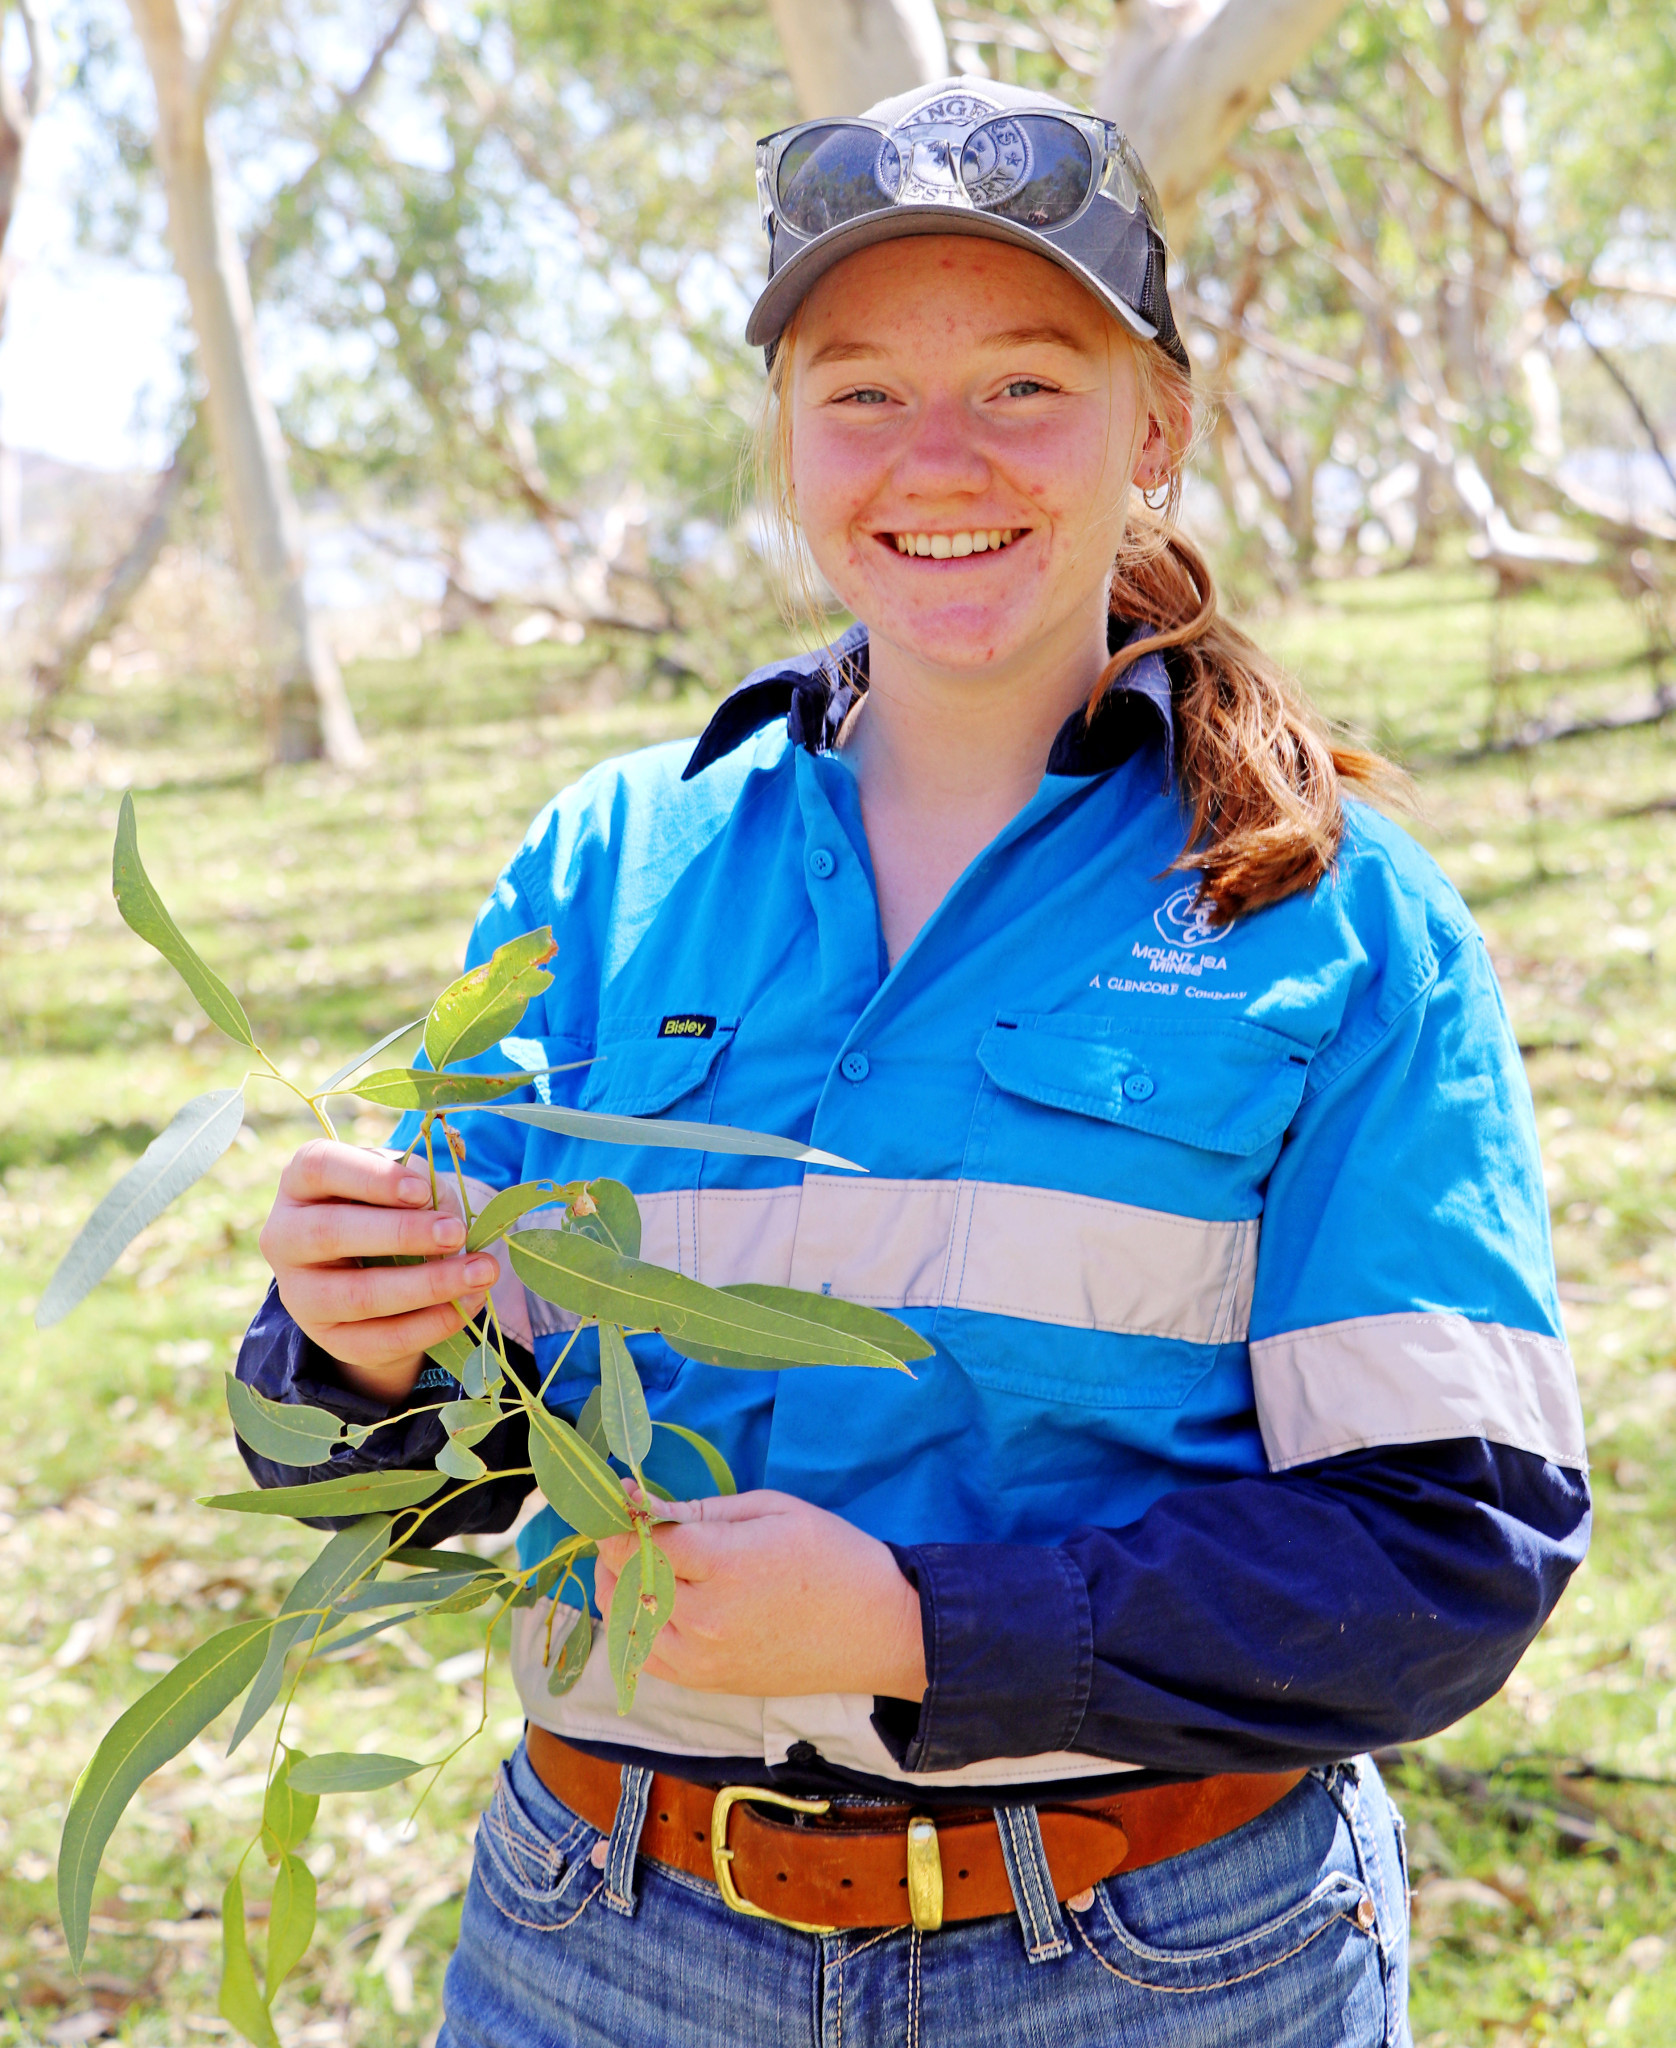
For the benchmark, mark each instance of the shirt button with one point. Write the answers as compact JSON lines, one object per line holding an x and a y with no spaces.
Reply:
{"x":823,"y":862}
{"x":1138,"y":1087}
{"x":855,"y":1066}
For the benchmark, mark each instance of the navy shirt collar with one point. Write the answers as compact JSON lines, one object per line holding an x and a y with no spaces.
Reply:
{"x":814,"y":694}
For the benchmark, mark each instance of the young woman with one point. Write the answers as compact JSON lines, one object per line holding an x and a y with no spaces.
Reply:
{"x":1197,"y":1143}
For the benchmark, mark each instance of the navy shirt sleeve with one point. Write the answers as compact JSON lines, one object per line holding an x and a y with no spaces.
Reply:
{"x":1256,"y":1624}
{"x":280,"y":1362}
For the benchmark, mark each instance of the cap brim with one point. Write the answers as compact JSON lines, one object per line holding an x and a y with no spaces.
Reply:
{"x":793,"y":281}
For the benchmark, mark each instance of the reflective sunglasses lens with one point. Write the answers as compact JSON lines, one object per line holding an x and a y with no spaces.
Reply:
{"x":1030,"y":168}
{"x":836,"y":174}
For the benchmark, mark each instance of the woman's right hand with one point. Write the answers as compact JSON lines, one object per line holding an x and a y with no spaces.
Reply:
{"x":339,"y":1204}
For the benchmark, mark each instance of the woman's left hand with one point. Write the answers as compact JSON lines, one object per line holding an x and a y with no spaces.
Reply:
{"x":773,"y":1596}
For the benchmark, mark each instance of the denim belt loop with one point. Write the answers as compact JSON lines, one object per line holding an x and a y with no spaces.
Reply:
{"x":1039,"y":1918}
{"x":624,"y":1844}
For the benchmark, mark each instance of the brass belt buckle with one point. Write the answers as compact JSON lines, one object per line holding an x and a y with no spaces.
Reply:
{"x":721,"y":1855}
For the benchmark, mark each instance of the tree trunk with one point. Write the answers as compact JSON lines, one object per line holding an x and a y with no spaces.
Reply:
{"x":21,"y":102}
{"x":95,"y":616}
{"x":20,"y":107}
{"x":1183,"y":77}
{"x":310,"y":709}
{"x":845,"y":54}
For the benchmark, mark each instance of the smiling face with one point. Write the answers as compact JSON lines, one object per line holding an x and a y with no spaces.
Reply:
{"x":965,"y":424}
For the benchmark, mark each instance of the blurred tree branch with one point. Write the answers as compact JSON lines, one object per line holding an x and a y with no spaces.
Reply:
{"x":1561,"y":296}
{"x":93,"y":616}
{"x":845,"y":54}
{"x":21,"y":105}
{"x":1183,"y":77}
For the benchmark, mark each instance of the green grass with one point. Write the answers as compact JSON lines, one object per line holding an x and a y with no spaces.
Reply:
{"x":337,"y":907}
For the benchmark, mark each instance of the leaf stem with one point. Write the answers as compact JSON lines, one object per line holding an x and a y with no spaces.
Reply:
{"x":552,"y":1371}
{"x":320,"y":1116}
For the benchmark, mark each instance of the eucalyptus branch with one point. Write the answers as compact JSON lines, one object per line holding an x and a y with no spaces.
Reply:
{"x":590,"y":1266}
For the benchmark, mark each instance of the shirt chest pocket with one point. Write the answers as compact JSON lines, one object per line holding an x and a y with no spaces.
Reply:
{"x":655,"y":1066}
{"x":1112,"y":1188}
{"x":1170,"y":1114}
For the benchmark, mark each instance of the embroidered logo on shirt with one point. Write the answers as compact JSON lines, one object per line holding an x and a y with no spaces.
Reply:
{"x":687,"y":1025}
{"x":1185,"y":920}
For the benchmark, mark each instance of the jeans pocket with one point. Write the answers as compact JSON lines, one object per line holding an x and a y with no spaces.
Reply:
{"x":1217,"y":1965}
{"x":534,"y":1875}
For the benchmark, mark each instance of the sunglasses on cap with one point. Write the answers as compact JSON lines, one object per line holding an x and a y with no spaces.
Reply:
{"x":1041,"y":170}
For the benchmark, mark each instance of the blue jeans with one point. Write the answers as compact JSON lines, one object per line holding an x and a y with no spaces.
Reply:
{"x":1292,"y":1932}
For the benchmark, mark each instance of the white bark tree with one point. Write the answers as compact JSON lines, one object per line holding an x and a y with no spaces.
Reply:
{"x":310,"y":708}
{"x":1183,"y":77}
{"x":845,"y":54}
{"x":21,"y":102}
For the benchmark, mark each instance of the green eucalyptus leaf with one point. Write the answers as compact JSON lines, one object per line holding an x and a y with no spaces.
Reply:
{"x":580,"y":1275}
{"x":590,"y":1424}
{"x":497,"y":1217}
{"x":483,"y":1371}
{"x":576,"y":1481}
{"x":286,"y":1815}
{"x":572,"y":1659}
{"x":292,"y":1433}
{"x":155,"y":1728}
{"x":362,"y":1059}
{"x":419,"y":1088}
{"x":872,"y":1325}
{"x":472,"y":1594}
{"x":240,"y":2004}
{"x":459,"y":1461}
{"x":333,"y":1648}
{"x":623,"y":1413}
{"x":451,"y":1353}
{"x":341,"y":1771}
{"x":715,"y":1464}
{"x":345,"y":1561}
{"x":639,"y":1608}
{"x":290,"y":1920}
{"x":663,"y":1130}
{"x":468,"y":1422}
{"x":183,"y":1151}
{"x":458,"y":1561}
{"x":424,"y":1590}
{"x":606,"y":1211}
{"x":143,"y":912}
{"x":480,"y":1008}
{"x":358,"y":1493}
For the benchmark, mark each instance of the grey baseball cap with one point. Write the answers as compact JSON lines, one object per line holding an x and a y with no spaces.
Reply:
{"x":965,"y":157}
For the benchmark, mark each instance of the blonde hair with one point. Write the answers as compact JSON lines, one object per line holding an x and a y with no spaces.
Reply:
{"x":1261,"y":770}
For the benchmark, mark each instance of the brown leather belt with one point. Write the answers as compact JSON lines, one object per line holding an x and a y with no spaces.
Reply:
{"x":876,"y":1864}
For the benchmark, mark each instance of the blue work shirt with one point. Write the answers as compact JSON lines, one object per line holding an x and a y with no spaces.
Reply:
{"x":1227,"y":1237}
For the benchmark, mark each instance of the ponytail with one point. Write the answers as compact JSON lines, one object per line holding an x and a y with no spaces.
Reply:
{"x":1260,"y":768}
{"x":1263,"y":775}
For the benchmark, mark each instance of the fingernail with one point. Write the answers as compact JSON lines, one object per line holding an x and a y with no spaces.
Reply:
{"x":412,"y":1189}
{"x":482,"y":1272}
{"x":448,"y":1230}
